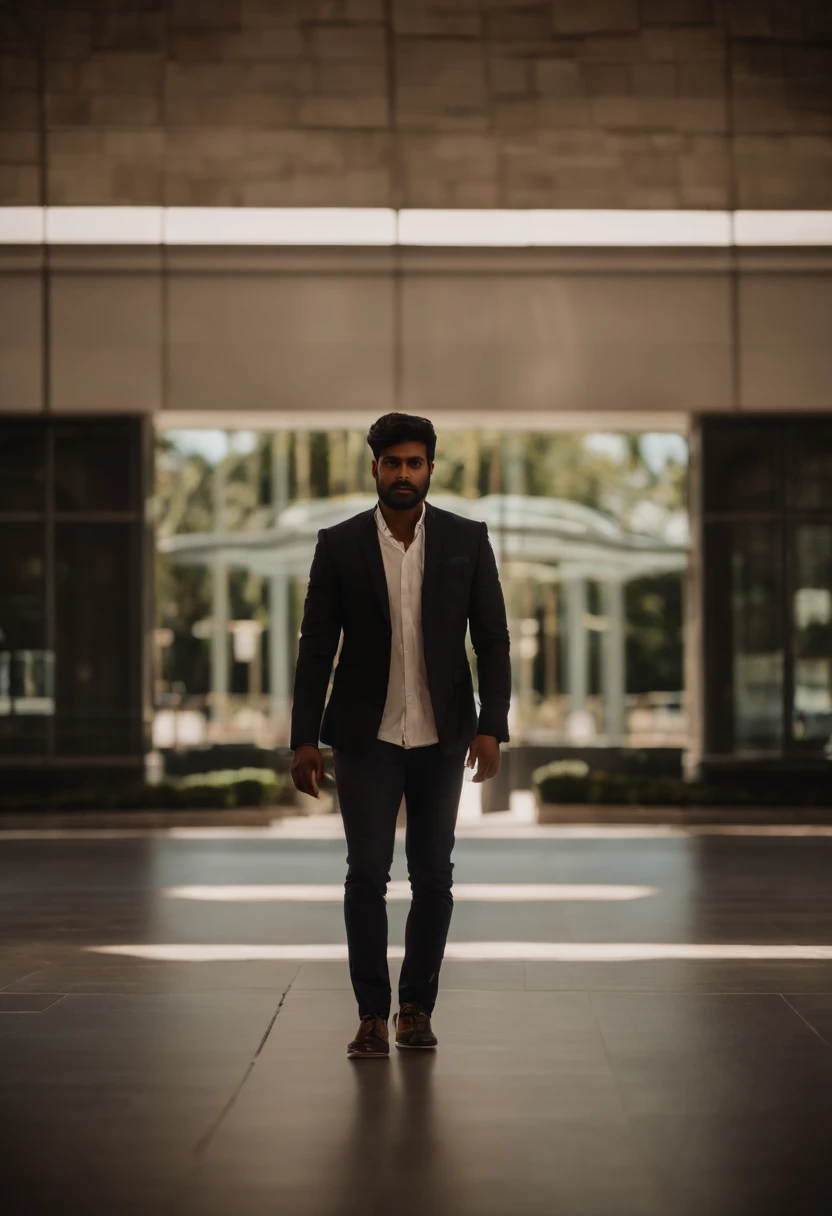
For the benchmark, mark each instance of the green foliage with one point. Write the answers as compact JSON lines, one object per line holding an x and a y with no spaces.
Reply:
{"x":220,"y":790}
{"x":553,"y":783}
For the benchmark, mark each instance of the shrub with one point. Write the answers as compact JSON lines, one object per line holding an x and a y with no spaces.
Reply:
{"x":557,"y":783}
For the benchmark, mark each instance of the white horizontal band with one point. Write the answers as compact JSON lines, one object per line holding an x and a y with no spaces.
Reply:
{"x":554,"y":952}
{"x":399,"y":891}
{"x":382,"y":226}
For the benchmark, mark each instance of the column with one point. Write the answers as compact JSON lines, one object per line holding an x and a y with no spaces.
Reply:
{"x":279,"y":615}
{"x":514,"y":463}
{"x":614,"y":677}
{"x":219,"y":611}
{"x":577,"y":651}
{"x":693,"y":701}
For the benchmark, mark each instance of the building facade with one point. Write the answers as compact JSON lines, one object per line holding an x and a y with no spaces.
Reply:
{"x":582,"y":217}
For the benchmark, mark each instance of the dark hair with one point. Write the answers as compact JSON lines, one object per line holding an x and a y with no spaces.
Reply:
{"x":400,"y":428}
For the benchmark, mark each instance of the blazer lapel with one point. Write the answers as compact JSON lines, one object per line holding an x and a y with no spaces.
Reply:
{"x":434,"y":541}
{"x":368,"y":535}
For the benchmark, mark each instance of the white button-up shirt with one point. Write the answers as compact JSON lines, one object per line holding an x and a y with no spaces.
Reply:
{"x":408,"y":714}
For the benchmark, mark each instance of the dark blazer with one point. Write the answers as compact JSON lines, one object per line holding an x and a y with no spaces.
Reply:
{"x":348,"y":590}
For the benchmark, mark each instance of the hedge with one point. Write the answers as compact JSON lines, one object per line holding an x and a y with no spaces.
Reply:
{"x":221,"y":790}
{"x":573,"y":782}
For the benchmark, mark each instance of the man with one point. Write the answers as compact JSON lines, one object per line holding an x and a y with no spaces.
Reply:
{"x":403,"y":581}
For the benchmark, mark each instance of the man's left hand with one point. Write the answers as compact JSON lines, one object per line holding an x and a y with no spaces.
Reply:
{"x":484,"y":752}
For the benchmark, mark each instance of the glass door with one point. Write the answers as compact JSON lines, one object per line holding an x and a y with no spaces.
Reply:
{"x":811,"y":625}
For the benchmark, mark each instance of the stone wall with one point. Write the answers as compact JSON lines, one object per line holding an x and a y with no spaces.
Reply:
{"x":421,"y":103}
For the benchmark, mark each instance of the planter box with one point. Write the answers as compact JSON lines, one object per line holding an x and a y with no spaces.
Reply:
{"x":587,"y":813}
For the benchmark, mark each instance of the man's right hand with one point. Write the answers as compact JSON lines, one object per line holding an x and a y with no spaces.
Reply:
{"x":308,"y":769}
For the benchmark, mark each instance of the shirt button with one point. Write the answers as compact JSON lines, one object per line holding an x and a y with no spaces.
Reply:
{"x":410,"y":698}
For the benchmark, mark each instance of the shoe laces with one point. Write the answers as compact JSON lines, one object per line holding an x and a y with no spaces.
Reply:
{"x":421,"y":1019}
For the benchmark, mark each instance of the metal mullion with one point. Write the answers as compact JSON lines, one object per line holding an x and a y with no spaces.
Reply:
{"x":787,"y":599}
{"x":51,"y":585}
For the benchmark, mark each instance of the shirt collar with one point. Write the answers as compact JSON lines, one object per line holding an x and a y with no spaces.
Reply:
{"x":382,"y":522}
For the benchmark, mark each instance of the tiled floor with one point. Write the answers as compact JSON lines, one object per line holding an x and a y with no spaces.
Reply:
{"x":662,"y":1086}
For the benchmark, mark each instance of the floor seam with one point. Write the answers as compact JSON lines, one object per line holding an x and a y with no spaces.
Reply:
{"x":205,"y":1141}
{"x":806,"y":1021}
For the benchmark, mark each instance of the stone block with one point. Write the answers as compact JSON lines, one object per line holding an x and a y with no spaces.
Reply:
{"x":594,"y":16}
{"x":441,"y":84}
{"x":134,"y":144}
{"x":784,"y":171}
{"x":562,"y":112}
{"x":210,"y":14}
{"x":609,"y":48}
{"x":704,"y":78}
{"x":749,"y":19}
{"x":131,"y":31}
{"x":509,"y":77}
{"x":61,"y":75}
{"x":515,"y":114}
{"x":532,"y":22}
{"x":437,"y":18}
{"x":233,"y":110}
{"x":676,"y":12}
{"x":620,"y":113}
{"x":19,"y":147}
{"x":654,"y":79}
{"x":198,"y":79}
{"x":68,"y":34}
{"x":267,"y":14}
{"x":364,"y":42}
{"x":348,"y":77}
{"x":450,"y":170}
{"x":216,"y":46}
{"x":18,"y":110}
{"x":122,"y":72}
{"x":698,"y":42}
{"x":607,"y":79}
{"x":19,"y":185}
{"x":303,"y":168}
{"x":702,"y":114}
{"x":67,"y":109}
{"x":124,"y":109}
{"x":559,"y":78}
{"x":18,"y":72}
{"x":344,"y":111}
{"x":136,"y":184}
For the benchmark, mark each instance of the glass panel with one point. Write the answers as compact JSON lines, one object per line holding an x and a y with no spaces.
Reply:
{"x":812,"y":626}
{"x":94,"y":466}
{"x":810,"y":474}
{"x":96,"y":688}
{"x":743,"y":466}
{"x":22,"y":466}
{"x":757,"y":659}
{"x":25,"y":692}
{"x":569,"y":516}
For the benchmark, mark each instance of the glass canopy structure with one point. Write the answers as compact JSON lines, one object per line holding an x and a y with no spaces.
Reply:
{"x":548,"y":550}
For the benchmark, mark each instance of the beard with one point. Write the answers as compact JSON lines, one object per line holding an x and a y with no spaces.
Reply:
{"x":403,"y":501}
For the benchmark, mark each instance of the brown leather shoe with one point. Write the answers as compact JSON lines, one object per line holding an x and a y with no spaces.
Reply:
{"x":413,"y":1027}
{"x":372,"y":1041}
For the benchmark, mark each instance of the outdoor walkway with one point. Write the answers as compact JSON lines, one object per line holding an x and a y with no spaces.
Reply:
{"x":629,"y":1023}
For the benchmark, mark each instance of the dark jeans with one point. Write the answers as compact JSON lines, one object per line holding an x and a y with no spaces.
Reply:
{"x":370,"y":788}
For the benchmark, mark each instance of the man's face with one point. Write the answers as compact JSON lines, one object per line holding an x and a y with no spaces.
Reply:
{"x":402,"y":475}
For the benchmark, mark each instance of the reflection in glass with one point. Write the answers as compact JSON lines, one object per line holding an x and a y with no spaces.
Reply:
{"x":22,"y":466}
{"x":812,"y":633}
{"x":757,"y":638}
{"x":743,"y":466}
{"x":96,"y":639}
{"x":810,"y":479}
{"x":590,"y":533}
{"x":24,"y":687}
{"x":94,"y":465}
